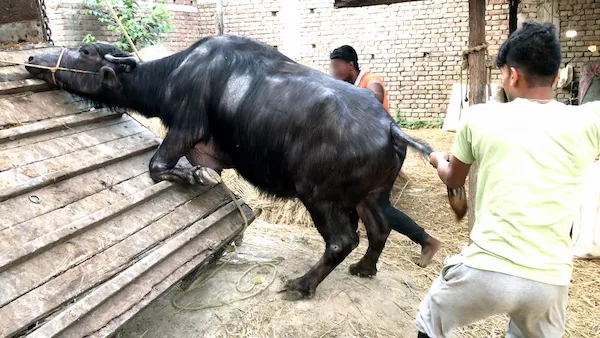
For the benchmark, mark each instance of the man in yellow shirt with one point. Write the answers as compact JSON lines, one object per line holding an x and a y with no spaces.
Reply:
{"x":533,"y":153}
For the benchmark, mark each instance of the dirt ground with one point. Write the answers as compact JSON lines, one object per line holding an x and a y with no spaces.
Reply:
{"x":346,"y":306}
{"x":343,"y":306}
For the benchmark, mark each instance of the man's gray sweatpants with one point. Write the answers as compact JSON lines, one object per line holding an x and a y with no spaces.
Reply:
{"x":462,"y":295}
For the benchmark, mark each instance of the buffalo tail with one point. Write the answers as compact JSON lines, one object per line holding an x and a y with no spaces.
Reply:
{"x":456,"y":197}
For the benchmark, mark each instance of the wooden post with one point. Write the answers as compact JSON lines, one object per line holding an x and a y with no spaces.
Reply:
{"x":477,"y":81}
{"x":219,"y":18}
{"x":512,"y":16}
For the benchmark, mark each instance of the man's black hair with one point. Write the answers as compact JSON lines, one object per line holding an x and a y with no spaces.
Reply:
{"x":346,"y":53}
{"x":535,"y":50}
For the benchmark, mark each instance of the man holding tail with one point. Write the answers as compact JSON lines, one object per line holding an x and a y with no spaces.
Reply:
{"x":344,"y":66}
{"x":533,"y":153}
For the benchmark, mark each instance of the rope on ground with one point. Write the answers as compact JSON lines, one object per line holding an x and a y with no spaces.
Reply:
{"x":215,"y":176}
{"x":271,"y":264}
{"x":256,"y":281}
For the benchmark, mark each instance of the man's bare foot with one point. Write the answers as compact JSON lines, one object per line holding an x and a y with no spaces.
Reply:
{"x":428,"y":250}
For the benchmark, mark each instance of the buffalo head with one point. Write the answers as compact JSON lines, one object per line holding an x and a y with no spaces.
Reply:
{"x":101,"y":63}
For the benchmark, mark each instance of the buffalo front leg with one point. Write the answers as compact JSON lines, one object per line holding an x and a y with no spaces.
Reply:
{"x":173,"y":148}
{"x":338,"y":228}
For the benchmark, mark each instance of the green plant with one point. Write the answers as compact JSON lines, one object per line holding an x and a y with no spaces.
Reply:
{"x":144,"y":26}
{"x":418,"y":123}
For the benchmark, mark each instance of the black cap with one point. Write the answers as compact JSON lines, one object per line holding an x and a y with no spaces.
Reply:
{"x":346,"y":53}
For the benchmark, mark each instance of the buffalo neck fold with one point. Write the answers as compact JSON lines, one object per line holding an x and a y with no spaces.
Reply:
{"x":143,"y":87}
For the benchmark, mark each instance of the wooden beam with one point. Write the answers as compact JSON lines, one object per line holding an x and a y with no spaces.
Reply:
{"x":477,"y":83}
{"x":512,"y":16}
{"x":362,"y":3}
{"x":219,"y":18}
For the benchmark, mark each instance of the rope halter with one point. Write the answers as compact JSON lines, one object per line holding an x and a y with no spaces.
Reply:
{"x":54,"y":69}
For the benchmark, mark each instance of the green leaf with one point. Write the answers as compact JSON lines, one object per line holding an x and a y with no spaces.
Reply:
{"x":144,"y":25}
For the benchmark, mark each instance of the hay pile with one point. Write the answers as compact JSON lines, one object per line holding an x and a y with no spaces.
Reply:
{"x":273,"y":210}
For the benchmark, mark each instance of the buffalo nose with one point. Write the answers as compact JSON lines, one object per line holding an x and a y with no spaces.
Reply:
{"x":30,"y":59}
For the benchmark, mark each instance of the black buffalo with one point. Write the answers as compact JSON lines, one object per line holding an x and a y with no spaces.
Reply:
{"x":233,"y":102}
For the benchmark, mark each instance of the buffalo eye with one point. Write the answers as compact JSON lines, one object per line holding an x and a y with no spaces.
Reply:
{"x":85,"y":51}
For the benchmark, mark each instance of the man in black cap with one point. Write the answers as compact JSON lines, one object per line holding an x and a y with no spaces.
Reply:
{"x":344,"y":66}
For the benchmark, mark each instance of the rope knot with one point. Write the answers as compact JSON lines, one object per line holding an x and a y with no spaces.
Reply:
{"x":471,"y":50}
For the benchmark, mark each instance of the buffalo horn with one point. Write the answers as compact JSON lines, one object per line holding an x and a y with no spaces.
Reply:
{"x":127,"y":60}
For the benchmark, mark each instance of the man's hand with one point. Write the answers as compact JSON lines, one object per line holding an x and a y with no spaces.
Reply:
{"x":437,"y":157}
{"x":451,"y":171}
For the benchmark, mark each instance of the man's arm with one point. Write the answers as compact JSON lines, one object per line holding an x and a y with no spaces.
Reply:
{"x":377,"y":88}
{"x":453,"y":173}
{"x":453,"y":169}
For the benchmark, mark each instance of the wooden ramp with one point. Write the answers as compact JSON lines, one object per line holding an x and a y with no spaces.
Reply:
{"x":87,"y":239}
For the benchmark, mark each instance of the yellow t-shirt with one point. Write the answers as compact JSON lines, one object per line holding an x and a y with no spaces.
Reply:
{"x":532,"y":159}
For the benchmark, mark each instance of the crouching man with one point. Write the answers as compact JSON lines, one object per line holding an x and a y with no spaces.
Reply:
{"x":533,"y":153}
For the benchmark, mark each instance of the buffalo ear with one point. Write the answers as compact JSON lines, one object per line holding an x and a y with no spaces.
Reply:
{"x":109,"y":78}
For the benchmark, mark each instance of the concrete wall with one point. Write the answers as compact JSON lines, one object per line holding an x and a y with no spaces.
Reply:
{"x":415,"y":46}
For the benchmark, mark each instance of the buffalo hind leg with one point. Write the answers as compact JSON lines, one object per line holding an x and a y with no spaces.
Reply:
{"x":173,"y":148}
{"x":380,"y":217}
{"x":378,"y":231}
{"x":338,"y":228}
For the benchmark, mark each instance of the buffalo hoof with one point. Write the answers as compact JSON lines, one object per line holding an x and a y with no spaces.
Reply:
{"x":359,"y":269}
{"x":297,"y":289}
{"x":204,"y":176}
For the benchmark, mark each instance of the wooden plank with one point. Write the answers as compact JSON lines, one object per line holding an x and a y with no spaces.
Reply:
{"x":41,"y":268}
{"x":513,"y":10}
{"x":111,"y":314}
{"x":16,"y":110}
{"x":84,"y":305}
{"x":66,"y":124}
{"x":18,"y":254}
{"x":23,"y":55}
{"x":22,"y":233}
{"x":12,"y":73}
{"x":477,"y":82}
{"x":25,"y":179}
{"x":72,"y":283}
{"x":61,"y":197}
{"x":42,"y":151}
{"x":21,"y":86}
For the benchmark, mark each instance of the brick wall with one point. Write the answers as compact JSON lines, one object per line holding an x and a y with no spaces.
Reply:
{"x":415,"y":46}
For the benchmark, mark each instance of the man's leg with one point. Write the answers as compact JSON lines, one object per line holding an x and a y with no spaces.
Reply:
{"x":405,"y":225}
{"x":460,"y":296}
{"x":541,"y":313}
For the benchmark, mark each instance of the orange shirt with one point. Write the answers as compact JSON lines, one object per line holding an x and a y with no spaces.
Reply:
{"x":364,"y":79}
